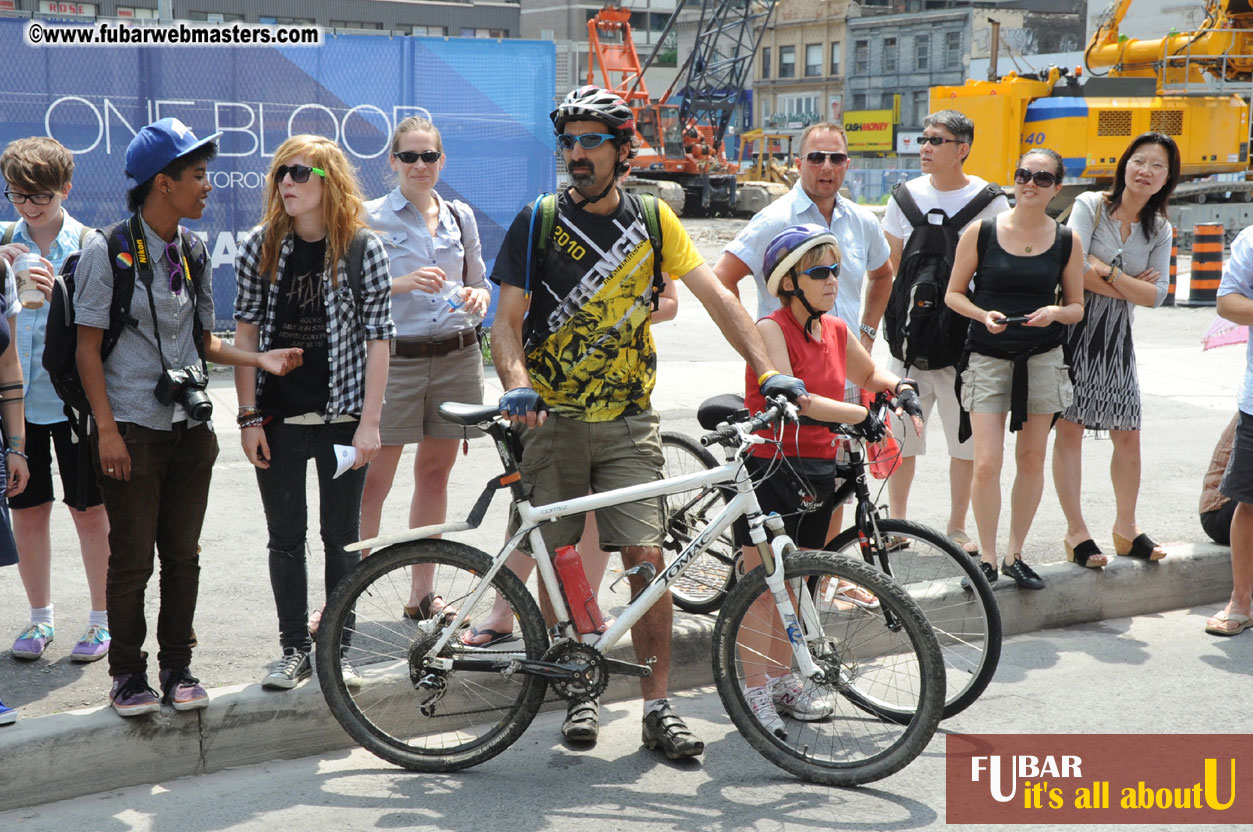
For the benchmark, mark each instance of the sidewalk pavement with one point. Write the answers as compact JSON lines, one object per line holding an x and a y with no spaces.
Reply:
{"x":77,"y":753}
{"x":55,"y":751}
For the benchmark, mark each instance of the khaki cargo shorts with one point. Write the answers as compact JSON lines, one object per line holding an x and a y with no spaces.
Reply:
{"x":566,"y":458}
{"x":987,"y":384}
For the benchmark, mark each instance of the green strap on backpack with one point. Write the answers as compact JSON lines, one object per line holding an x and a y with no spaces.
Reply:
{"x":545,"y":208}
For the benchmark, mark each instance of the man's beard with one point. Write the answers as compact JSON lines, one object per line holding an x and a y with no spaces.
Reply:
{"x":584,"y":178}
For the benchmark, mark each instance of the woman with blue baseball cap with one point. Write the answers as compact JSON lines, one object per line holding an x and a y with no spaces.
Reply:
{"x":144,"y":308}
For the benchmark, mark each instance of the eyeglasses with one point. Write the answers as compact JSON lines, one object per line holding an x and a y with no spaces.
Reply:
{"x":175,"y":255}
{"x":1043,"y":178}
{"x":817,"y":157}
{"x":1140,"y":162}
{"x":299,"y":173}
{"x":822,"y":273}
{"x":20,"y":199}
{"x":936,"y":141}
{"x":587,"y":141}
{"x":409,"y":157}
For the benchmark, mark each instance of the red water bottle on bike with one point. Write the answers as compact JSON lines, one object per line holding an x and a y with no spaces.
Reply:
{"x":580,"y":596}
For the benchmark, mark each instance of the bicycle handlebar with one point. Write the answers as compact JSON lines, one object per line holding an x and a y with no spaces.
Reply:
{"x":727,"y":434}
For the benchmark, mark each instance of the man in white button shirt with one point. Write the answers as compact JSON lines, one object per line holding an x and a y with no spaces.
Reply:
{"x":946,"y":186}
{"x":823,"y":163}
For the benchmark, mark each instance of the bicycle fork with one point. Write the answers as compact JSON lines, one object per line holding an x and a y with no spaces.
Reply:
{"x":799,"y":630}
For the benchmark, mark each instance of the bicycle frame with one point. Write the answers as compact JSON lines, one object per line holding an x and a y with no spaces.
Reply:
{"x":744,"y":503}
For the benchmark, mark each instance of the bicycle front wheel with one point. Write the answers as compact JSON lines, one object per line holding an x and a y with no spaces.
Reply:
{"x":399,"y":703}
{"x":953,"y":593}
{"x":819,"y":729}
{"x":704,"y":585}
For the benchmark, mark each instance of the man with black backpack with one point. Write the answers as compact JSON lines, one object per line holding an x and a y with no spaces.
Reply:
{"x":143,"y":306}
{"x":922,"y":222}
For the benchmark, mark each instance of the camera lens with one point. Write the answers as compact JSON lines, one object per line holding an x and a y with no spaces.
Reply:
{"x":197,"y":404}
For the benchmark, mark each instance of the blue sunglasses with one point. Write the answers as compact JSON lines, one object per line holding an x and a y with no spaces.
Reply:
{"x":822,"y":272}
{"x":588,"y":141}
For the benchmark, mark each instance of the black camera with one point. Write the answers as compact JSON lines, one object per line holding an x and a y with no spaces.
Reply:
{"x":186,"y":387}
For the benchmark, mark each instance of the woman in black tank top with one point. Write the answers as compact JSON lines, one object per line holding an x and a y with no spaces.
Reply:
{"x":1021,"y":263}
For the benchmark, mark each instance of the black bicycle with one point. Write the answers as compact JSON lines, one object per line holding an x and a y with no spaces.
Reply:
{"x":945,"y":581}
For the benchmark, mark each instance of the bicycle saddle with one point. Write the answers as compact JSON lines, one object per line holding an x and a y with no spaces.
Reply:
{"x":727,"y":407}
{"x":460,"y":413}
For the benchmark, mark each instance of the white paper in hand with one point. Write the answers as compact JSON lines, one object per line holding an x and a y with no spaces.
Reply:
{"x":345,"y":457}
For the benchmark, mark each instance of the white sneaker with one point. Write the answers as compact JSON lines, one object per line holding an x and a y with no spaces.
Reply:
{"x":759,"y":701}
{"x":790,"y":696}
{"x":352,"y":679}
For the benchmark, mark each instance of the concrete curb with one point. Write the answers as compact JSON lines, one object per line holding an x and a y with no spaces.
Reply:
{"x":76,"y":753}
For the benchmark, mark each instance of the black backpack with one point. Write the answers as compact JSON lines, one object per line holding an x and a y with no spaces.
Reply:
{"x":920,"y":329}
{"x":61,"y":339}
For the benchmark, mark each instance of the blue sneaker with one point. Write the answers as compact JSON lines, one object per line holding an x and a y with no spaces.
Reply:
{"x":8,"y":716}
{"x":33,"y":641}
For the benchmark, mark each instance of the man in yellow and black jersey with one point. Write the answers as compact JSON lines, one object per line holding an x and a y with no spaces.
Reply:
{"x":572,"y":346}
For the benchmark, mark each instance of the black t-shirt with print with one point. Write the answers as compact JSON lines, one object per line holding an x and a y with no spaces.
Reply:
{"x":300,"y":321}
{"x":589,"y":350}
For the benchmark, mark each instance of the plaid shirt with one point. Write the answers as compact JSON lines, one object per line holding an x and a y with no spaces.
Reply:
{"x":349,"y":328}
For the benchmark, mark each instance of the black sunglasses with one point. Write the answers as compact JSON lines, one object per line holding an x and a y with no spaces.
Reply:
{"x":411,"y":156}
{"x":817,"y":157}
{"x":19,"y":199}
{"x":936,"y":141}
{"x":299,"y":173}
{"x":587,"y":141}
{"x":822,"y":272}
{"x":1043,"y":178}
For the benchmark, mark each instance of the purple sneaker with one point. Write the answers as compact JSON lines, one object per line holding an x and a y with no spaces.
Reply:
{"x":182,"y":690}
{"x":33,"y":641}
{"x":131,"y":695}
{"x":93,"y":646}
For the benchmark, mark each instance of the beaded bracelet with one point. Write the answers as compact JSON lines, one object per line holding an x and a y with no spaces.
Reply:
{"x":8,"y":451}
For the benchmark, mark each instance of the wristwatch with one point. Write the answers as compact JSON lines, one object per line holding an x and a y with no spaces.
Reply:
{"x":869,"y":330}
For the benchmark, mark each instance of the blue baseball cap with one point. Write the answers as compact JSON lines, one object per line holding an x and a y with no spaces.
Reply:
{"x":158,"y":144}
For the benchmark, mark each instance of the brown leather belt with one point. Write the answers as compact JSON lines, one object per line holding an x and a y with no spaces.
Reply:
{"x":419,"y":348}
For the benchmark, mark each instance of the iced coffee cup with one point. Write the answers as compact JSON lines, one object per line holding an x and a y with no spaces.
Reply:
{"x":28,"y":291}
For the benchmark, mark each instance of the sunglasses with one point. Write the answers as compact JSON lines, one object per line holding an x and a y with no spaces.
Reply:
{"x":817,"y":157}
{"x":299,"y":173}
{"x":175,"y":256}
{"x":822,"y":273}
{"x":587,"y":141}
{"x":1043,"y":178}
{"x":20,"y":199}
{"x":936,"y":141}
{"x":409,"y":157}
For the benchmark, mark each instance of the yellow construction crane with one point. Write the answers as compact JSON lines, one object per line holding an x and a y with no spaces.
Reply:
{"x":1193,"y":86}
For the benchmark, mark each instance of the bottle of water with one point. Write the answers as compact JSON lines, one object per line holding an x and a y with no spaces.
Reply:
{"x":580,"y":596}
{"x":451,"y":293}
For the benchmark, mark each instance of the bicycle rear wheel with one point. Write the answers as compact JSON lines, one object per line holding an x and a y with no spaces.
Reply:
{"x":402,"y":709}
{"x":705,"y":584}
{"x":887,"y":655}
{"x":953,"y":593}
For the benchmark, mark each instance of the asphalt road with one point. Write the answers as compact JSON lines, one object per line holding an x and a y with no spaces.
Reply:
{"x":1188,"y":398}
{"x":1151,"y":674}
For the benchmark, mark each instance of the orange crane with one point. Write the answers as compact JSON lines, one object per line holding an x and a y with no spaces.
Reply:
{"x":682,"y":142}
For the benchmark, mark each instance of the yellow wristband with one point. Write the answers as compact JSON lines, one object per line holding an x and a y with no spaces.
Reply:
{"x":761,"y":379}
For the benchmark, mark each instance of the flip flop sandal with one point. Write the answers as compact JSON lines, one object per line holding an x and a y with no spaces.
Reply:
{"x":1143,"y":547}
{"x":857,"y":596}
{"x":423,"y":610}
{"x":963,"y":540}
{"x":1242,"y":622}
{"x":493,"y":637}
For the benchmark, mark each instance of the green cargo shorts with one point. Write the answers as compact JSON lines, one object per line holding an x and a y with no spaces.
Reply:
{"x":565,"y":458}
